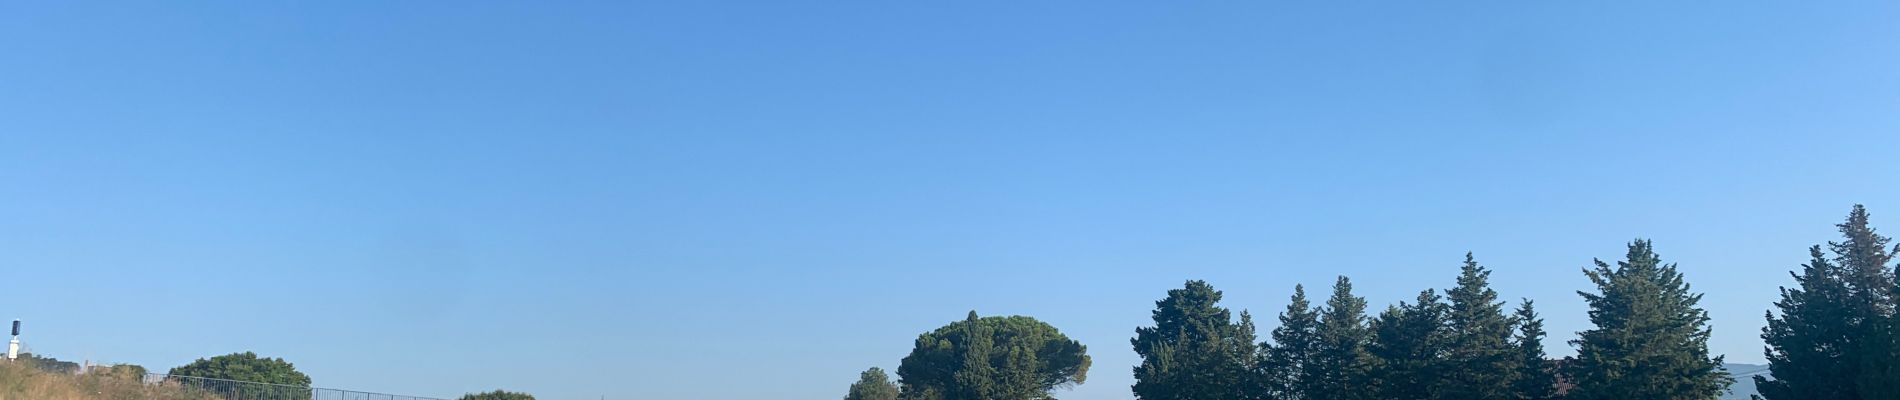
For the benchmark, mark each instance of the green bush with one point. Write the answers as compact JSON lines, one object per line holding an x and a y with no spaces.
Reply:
{"x":498,"y":395}
{"x":246,"y":366}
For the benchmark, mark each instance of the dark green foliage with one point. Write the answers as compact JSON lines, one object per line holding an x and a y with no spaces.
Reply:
{"x":1341,"y":368}
{"x":1283,"y":363}
{"x":1482,"y":361}
{"x":1410,"y":344}
{"x":1650,"y":340}
{"x":873,"y":384}
{"x":1536,"y":378}
{"x":1012,"y":358}
{"x":1833,"y":335}
{"x":1195,"y":350}
{"x":1864,"y":263}
{"x":1862,"y":255}
{"x":120,"y":371}
{"x":1890,"y":361}
{"x":1253,"y":380}
{"x":246,"y":366}
{"x":498,"y":395}
{"x":1808,"y":344}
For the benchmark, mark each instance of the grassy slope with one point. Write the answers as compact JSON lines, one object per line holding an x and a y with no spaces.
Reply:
{"x":19,"y":382}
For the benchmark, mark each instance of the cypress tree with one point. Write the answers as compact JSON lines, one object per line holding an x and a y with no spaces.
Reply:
{"x":1650,"y":340}
{"x":1483,"y":361}
{"x":1195,"y":350}
{"x":1341,"y":369}
{"x":1409,"y":343}
{"x":978,"y":379}
{"x":1535,"y":377}
{"x":1863,"y":259}
{"x":1283,"y":362}
{"x":1808,"y":344}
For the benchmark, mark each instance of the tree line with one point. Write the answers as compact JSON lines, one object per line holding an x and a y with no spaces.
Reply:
{"x":1830,"y":336}
{"x":281,"y":379}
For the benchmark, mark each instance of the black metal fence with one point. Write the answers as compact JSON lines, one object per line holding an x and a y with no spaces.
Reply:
{"x":225,"y":389}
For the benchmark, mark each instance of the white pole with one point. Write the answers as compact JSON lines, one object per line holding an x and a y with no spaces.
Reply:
{"x":13,"y":347}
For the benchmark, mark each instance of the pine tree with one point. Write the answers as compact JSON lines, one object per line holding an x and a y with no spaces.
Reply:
{"x":1341,"y":369}
{"x":1014,"y":357}
{"x":1410,"y":345}
{"x":1650,"y":340}
{"x":1535,"y":378}
{"x":1253,"y":379}
{"x":1808,"y":344}
{"x":1483,"y":361}
{"x":1283,"y":363}
{"x":1195,"y":350}
{"x":873,"y":384}
{"x":1863,"y":259}
{"x":1890,"y":360}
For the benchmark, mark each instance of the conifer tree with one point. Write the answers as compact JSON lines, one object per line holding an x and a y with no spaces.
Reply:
{"x":1650,"y":339}
{"x":1862,"y":255}
{"x":1014,"y":357}
{"x":1483,"y":363}
{"x":1890,"y":361}
{"x":1284,"y":362}
{"x":1341,"y":368}
{"x":1409,"y":343}
{"x":1195,"y":350}
{"x":1536,"y":379}
{"x":1253,"y":379}
{"x":1864,"y":259}
{"x":873,"y":384}
{"x":1808,"y":343}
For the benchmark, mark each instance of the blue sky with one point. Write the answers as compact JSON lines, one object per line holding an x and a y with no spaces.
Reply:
{"x":720,"y":200}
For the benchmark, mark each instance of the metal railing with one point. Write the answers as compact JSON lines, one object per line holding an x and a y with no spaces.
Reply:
{"x":226,"y":389}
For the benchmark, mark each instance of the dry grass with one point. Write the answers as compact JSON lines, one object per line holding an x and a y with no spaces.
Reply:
{"x":20,"y":382}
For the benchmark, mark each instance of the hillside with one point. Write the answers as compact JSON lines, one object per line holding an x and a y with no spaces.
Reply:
{"x":1744,"y":386}
{"x":24,"y":382}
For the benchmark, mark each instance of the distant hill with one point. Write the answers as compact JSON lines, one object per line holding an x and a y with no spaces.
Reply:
{"x":1744,"y":374}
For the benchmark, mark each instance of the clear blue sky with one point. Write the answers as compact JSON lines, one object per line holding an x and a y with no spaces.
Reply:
{"x":701,"y":199}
